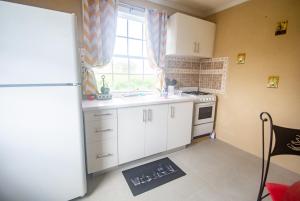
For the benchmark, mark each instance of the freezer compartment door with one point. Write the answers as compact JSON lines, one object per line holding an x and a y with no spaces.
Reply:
{"x":41,"y":144}
{"x":38,"y":46}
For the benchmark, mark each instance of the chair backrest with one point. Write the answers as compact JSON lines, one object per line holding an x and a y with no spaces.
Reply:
{"x":287,"y":142}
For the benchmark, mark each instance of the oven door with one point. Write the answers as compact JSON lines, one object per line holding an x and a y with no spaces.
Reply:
{"x":204,"y":113}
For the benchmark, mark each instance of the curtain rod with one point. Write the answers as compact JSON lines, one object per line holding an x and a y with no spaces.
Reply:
{"x":140,"y":8}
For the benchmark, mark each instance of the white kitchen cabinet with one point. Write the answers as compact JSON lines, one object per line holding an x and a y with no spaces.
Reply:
{"x":156,"y":129}
{"x":131,"y":137}
{"x":101,"y":139}
{"x":179,"y":124}
{"x":142,"y":131}
{"x":190,"y":36}
{"x":102,"y":155}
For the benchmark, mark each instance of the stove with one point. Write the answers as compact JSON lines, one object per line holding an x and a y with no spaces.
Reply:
{"x":204,"y":111}
{"x":199,"y":96}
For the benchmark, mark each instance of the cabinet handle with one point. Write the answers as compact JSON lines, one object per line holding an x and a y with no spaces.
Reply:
{"x":144,"y":115}
{"x":149,"y":115}
{"x":195,"y":46}
{"x":100,"y":115}
{"x":102,"y":131}
{"x":198,"y":47}
{"x":103,"y":155}
{"x":172,"y":112}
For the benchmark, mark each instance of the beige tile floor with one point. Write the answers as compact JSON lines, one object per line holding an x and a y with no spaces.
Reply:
{"x":215,"y":171}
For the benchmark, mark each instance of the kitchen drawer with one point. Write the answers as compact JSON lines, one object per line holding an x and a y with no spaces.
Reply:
{"x":99,"y":115}
{"x":102,"y":155}
{"x":100,"y":130}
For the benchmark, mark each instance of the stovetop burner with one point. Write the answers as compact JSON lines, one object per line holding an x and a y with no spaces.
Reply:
{"x":196,"y":93}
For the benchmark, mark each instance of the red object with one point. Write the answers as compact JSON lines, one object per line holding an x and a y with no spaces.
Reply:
{"x":281,"y":192}
{"x":277,"y":191}
{"x":91,"y":97}
{"x":293,"y":193}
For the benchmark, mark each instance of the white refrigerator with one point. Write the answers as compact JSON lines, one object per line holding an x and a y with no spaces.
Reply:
{"x":41,"y":128}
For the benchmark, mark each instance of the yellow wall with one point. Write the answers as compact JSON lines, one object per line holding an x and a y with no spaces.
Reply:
{"x":250,"y":28}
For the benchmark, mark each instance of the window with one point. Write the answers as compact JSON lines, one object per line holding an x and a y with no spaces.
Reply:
{"x":129,"y":69}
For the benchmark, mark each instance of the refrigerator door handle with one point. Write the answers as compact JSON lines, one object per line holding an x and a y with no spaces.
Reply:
{"x":99,"y":156}
{"x":100,"y":115}
{"x":103,"y":130}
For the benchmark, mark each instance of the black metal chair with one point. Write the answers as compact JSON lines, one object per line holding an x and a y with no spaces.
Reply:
{"x":287,"y":142}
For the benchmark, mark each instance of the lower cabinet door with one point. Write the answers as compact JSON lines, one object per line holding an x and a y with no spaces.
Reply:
{"x":179,"y":124}
{"x":156,"y":129}
{"x":101,"y":155}
{"x":131,"y":140}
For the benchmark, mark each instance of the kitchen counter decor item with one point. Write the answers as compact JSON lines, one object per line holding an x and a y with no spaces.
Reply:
{"x":104,"y":89}
{"x":170,"y":86}
{"x":105,"y":95}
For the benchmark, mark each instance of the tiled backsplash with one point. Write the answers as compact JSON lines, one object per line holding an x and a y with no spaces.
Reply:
{"x":207,"y":74}
{"x":213,"y":74}
{"x":183,"y":69}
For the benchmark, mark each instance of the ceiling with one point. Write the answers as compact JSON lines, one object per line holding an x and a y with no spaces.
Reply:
{"x":199,"y":7}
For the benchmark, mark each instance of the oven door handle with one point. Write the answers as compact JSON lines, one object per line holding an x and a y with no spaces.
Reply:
{"x":205,"y":104}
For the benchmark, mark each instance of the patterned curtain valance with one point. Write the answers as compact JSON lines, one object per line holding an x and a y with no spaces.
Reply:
{"x":99,"y":31}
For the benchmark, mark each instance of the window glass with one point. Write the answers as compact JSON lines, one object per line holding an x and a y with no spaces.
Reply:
{"x":149,"y":81}
{"x":135,"y":29}
{"x":105,"y":69}
{"x":120,"y":46}
{"x":135,"y":47}
{"x":136,"y":82}
{"x":120,"y":82}
{"x":145,"y":53}
{"x":120,"y":65}
{"x":147,"y":68}
{"x":121,"y":27}
{"x":136,"y":66}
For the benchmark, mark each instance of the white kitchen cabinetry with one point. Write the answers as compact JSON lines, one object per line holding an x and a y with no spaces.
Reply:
{"x":190,"y":36}
{"x":101,"y":139}
{"x":179,"y":124}
{"x":142,"y":131}
{"x":156,"y":130}
{"x":131,"y":137}
{"x":117,"y":136}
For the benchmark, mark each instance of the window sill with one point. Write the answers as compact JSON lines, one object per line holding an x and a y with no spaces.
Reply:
{"x":121,"y":94}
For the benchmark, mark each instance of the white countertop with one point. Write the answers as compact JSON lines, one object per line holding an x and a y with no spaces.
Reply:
{"x":88,"y":105}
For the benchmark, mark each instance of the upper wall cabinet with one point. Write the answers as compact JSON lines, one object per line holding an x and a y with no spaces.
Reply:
{"x":190,"y":36}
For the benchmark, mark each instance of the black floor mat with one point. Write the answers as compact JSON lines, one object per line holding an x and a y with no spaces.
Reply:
{"x":151,"y":175}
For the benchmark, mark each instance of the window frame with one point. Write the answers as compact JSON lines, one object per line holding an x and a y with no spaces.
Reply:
{"x":131,"y":14}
